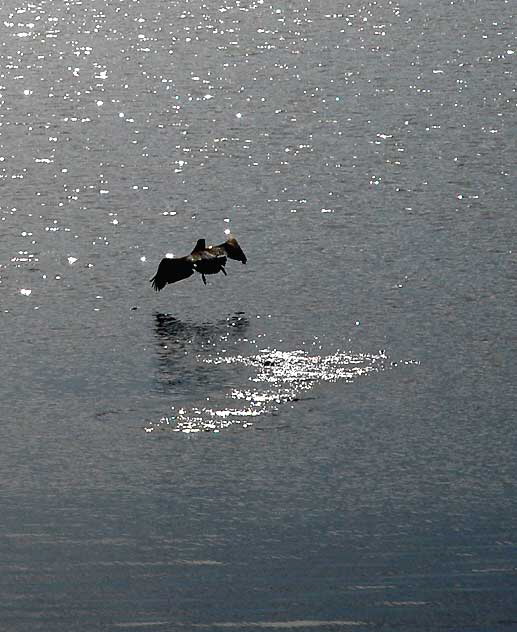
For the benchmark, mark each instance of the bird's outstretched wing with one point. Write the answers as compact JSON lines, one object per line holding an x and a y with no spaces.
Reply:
{"x":230,"y":248}
{"x":171,"y":270}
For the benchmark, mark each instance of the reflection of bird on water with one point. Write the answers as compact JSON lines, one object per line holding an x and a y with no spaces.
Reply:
{"x":174,"y":332}
{"x":203,"y":259}
{"x":179,"y":342}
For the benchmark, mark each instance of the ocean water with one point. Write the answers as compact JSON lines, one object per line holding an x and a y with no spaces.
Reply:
{"x":325,"y":438}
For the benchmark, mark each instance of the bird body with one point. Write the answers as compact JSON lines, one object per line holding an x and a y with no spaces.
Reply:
{"x":203,"y":259}
{"x":209,"y":260}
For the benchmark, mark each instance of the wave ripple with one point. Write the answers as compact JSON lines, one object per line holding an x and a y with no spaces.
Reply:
{"x":277,"y":377}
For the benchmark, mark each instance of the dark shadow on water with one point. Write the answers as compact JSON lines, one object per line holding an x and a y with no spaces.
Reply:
{"x":180,"y":334}
{"x":181,"y":342}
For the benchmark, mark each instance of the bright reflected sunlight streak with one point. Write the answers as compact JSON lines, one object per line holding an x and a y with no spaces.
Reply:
{"x":278,"y":377}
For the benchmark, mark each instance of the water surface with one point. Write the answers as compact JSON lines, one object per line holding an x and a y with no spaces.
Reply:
{"x":324,"y":439}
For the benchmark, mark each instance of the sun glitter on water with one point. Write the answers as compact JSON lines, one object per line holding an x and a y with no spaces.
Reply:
{"x":277,"y":378}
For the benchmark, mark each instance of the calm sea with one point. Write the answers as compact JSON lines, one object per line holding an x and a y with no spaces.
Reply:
{"x":325,"y":438}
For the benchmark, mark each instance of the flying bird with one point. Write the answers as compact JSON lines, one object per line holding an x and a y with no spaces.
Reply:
{"x":203,"y":259}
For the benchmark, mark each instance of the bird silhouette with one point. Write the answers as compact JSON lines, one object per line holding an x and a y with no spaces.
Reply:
{"x":203,"y":259}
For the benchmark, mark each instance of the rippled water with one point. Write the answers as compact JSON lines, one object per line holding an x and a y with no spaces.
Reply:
{"x":323,"y":439}
{"x":285,"y":374}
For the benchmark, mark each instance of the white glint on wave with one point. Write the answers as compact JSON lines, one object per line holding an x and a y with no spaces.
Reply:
{"x":277,"y":377}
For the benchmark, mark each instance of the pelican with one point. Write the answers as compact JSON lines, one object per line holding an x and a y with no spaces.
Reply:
{"x":203,"y":259}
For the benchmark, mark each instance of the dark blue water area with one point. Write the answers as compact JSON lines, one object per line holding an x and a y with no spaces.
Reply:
{"x":385,"y":500}
{"x":382,"y":502}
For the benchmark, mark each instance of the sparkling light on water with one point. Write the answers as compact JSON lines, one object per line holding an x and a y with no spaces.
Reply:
{"x":278,"y":377}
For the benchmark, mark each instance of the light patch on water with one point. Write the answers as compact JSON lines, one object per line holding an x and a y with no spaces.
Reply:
{"x":286,"y":625}
{"x":405,"y":603}
{"x":277,"y":378}
{"x":295,"y":624}
{"x":140,"y":624}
